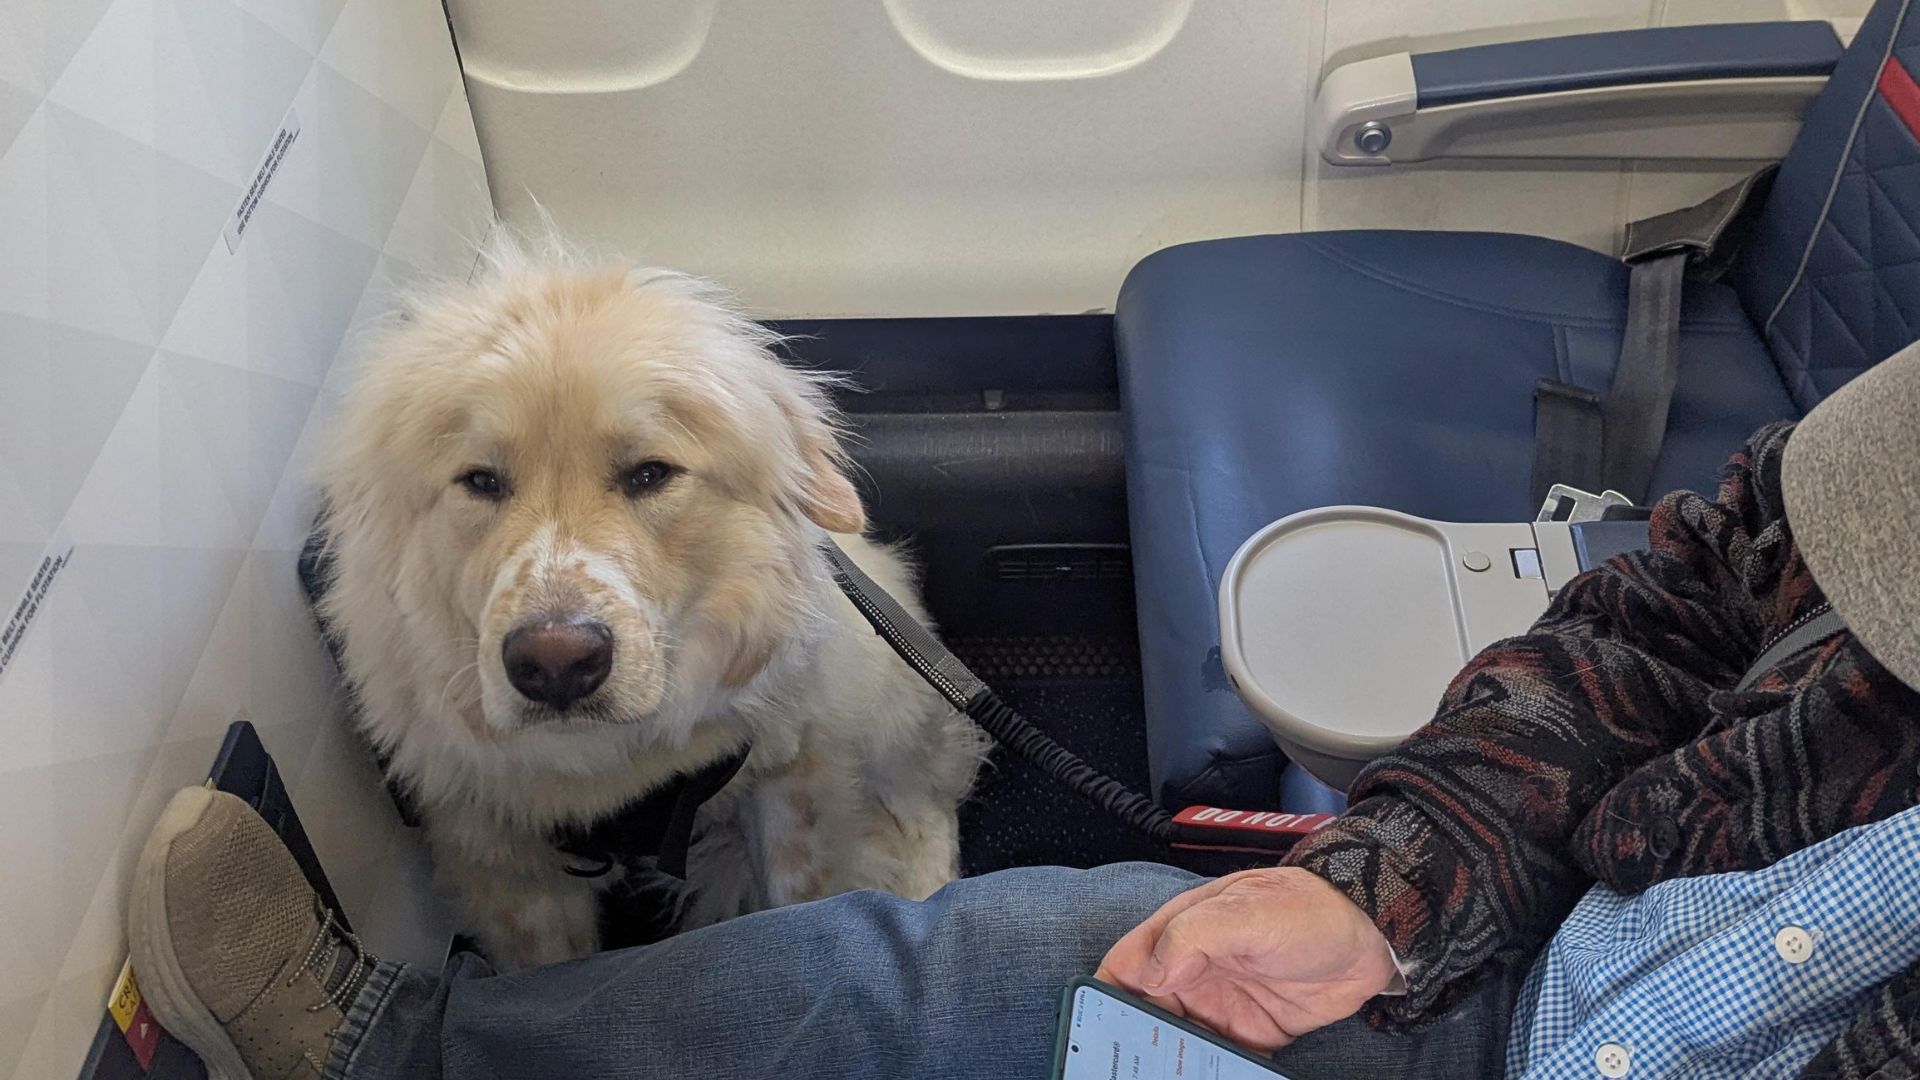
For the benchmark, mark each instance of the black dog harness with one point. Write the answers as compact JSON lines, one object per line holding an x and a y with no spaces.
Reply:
{"x":656,"y":826}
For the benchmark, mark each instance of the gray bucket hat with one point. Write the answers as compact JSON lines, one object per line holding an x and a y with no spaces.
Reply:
{"x":1851,"y":475}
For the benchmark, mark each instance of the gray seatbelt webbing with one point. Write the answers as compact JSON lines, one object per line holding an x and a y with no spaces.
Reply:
{"x":1634,"y":413}
{"x":1567,"y":438}
{"x":1596,"y":442}
{"x":1816,"y":629}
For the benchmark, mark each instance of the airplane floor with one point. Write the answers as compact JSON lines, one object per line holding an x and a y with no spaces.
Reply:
{"x":1084,"y":692}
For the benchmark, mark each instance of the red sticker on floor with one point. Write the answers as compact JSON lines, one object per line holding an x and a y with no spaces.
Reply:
{"x":1251,"y":821}
{"x":143,"y":1035}
{"x":133,"y":1018}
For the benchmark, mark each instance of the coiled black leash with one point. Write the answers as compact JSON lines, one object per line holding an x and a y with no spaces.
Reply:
{"x":1202,"y":828}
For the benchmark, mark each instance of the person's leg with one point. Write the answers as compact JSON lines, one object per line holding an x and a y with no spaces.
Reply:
{"x":1469,"y":1041}
{"x":237,"y":958}
{"x":964,"y":984}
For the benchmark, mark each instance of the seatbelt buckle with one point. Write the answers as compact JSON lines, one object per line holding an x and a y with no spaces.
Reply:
{"x":1213,"y":828}
{"x":1570,"y":505}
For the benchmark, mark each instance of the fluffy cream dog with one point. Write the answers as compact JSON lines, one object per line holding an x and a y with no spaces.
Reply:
{"x":576,"y":520}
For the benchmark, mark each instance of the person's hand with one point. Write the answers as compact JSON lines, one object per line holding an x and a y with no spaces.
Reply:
{"x":1262,"y":956}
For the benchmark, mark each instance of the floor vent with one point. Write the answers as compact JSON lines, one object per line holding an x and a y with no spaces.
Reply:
{"x":1061,"y":562}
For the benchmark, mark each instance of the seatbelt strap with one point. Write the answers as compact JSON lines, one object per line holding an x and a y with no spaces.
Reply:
{"x":1567,"y":439}
{"x":1815,"y":628}
{"x":1596,"y":442}
{"x":1633,"y":416}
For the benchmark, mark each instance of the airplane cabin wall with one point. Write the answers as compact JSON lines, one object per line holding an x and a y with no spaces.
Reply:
{"x":159,"y":398}
{"x":929,"y":157}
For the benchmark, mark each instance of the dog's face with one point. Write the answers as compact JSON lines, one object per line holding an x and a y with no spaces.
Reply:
{"x":594,"y":485}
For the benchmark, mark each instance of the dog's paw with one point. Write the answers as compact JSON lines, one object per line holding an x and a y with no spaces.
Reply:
{"x":531,"y":928}
{"x":644,"y":907}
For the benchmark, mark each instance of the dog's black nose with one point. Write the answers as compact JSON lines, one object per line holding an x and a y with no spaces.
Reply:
{"x":558,"y":661}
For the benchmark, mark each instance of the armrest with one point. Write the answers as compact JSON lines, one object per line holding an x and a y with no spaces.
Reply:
{"x":1722,"y":92}
{"x":1626,"y":57}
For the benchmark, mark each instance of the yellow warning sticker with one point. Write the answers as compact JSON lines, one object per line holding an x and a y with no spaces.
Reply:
{"x":125,"y":999}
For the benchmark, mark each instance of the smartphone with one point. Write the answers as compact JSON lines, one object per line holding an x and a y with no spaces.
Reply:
{"x":1108,"y":1034}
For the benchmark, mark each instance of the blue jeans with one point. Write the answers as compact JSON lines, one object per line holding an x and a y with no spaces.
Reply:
{"x":963,"y":985}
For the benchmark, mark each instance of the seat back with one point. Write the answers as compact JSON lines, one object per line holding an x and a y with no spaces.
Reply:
{"x":1832,"y":276}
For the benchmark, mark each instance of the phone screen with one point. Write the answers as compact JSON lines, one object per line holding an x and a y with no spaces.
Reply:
{"x":1109,"y":1037}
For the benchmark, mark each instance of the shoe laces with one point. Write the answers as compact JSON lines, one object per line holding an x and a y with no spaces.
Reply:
{"x":336,"y":960}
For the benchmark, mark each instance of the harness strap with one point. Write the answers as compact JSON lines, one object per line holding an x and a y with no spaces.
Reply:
{"x":657,"y":826}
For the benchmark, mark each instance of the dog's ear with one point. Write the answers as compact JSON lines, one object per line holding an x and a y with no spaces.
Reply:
{"x":825,"y":494}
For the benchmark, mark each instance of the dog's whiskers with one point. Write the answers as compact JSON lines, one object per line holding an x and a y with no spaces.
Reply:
{"x":469,"y":669}
{"x":665,"y":644}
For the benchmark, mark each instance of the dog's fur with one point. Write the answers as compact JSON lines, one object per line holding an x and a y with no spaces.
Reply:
{"x":556,"y":373}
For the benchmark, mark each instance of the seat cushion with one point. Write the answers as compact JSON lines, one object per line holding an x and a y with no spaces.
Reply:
{"x":1269,"y":374}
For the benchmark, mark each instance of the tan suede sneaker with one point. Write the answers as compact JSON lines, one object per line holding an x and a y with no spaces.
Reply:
{"x":233,"y":950}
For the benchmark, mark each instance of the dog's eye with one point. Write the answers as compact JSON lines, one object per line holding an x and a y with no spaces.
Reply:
{"x":636,"y":480}
{"x":483,"y":482}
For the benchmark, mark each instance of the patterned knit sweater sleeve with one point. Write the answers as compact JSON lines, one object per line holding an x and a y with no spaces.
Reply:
{"x":1882,"y":1042}
{"x":1459,"y":843}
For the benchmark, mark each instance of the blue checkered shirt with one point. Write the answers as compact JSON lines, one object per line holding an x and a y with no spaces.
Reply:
{"x":1727,"y":975}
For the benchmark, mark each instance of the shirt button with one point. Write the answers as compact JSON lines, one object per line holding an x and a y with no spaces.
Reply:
{"x":1794,"y":945}
{"x":1663,"y":839}
{"x":1613,"y":1060}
